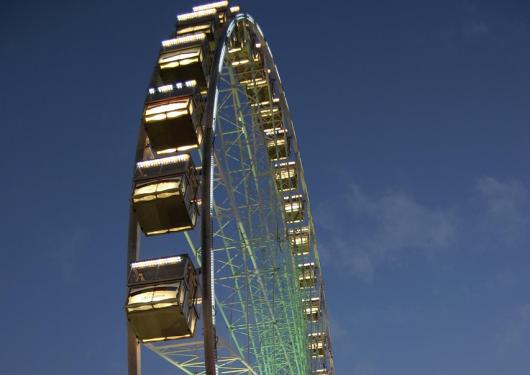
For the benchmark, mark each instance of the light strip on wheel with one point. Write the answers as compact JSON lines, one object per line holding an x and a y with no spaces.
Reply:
{"x":196,"y":37}
{"x":202,"y":13}
{"x":162,"y":161}
{"x":156,"y":262}
{"x":218,"y":4}
{"x":170,"y":87}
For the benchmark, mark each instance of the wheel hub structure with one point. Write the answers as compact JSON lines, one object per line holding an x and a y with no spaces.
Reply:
{"x":230,"y":281}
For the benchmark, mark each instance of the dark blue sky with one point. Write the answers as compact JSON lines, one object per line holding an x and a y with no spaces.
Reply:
{"x":413,"y":119}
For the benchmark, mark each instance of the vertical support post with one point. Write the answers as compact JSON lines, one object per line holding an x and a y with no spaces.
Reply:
{"x":210,"y":350}
{"x":133,"y":352}
{"x":133,"y":254}
{"x":133,"y":347}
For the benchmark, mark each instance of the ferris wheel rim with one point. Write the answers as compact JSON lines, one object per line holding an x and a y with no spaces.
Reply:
{"x":212,"y":111}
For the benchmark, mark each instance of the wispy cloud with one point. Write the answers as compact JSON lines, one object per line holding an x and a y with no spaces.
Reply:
{"x":470,"y":24}
{"x":364,"y":369}
{"x":471,"y":21}
{"x":503,"y":199}
{"x":467,"y":30}
{"x":503,"y":213}
{"x":366,"y":230}
{"x":67,"y":251}
{"x":515,"y":335}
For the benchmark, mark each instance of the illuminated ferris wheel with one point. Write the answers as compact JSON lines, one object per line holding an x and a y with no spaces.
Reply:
{"x":218,"y":189}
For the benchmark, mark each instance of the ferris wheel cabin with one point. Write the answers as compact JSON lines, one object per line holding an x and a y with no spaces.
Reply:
{"x":172,"y":117}
{"x":185,"y":58}
{"x":161,"y":298}
{"x":317,"y":344}
{"x":206,"y":21}
{"x":312,"y":309}
{"x":164,"y":194}
{"x":285,"y":176}
{"x":299,"y":240}
{"x":271,"y":118}
{"x":277,"y":144}
{"x":248,"y":67}
{"x":258,"y":88}
{"x":293,"y":206}
{"x":188,"y":56}
{"x":307,"y":277}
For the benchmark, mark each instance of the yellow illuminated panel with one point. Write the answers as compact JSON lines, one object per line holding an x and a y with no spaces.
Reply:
{"x":240,"y":62}
{"x":169,"y":110}
{"x":167,"y":151}
{"x":156,"y":191}
{"x":312,"y":306}
{"x":185,"y":57}
{"x":218,"y":4}
{"x":171,"y":87}
{"x":254,"y":82}
{"x":156,"y":262}
{"x":268,"y":111}
{"x":185,"y":39}
{"x":193,"y":29}
{"x":152,"y":296}
{"x":198,"y":14}
{"x":299,"y":240}
{"x":307,"y":271}
{"x":163,"y":161}
{"x":293,"y":207}
{"x":285,"y":171}
{"x":317,"y":344}
{"x":266,"y":102}
{"x":277,"y":142}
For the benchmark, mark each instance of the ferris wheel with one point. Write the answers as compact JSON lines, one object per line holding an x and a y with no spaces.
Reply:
{"x":218,"y":177}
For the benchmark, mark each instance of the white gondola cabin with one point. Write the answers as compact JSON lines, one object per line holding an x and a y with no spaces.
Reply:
{"x":317,"y":344}
{"x":294,"y":207}
{"x":286,"y":176}
{"x":248,"y":66}
{"x":164,"y":194}
{"x":299,"y":240}
{"x":245,"y":55}
{"x":161,"y":300}
{"x":222,"y":8}
{"x":271,"y":118}
{"x":172,"y":117}
{"x":185,"y":58}
{"x":307,"y":277}
{"x":205,"y":21}
{"x":312,"y":309}
{"x":257,"y":88}
{"x":277,"y":144}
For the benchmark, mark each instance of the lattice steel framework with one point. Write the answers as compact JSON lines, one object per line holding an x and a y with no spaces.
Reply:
{"x":269,"y":308}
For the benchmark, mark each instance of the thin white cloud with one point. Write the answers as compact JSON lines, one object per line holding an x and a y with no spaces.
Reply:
{"x":368,"y":230}
{"x":503,"y":213}
{"x":472,"y":22}
{"x":362,"y":232}
{"x":66,"y":253}
{"x":515,"y":335}
{"x":364,"y":369}
{"x":503,"y":198}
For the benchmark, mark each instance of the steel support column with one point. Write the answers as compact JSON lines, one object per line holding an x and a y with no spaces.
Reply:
{"x":210,"y":351}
